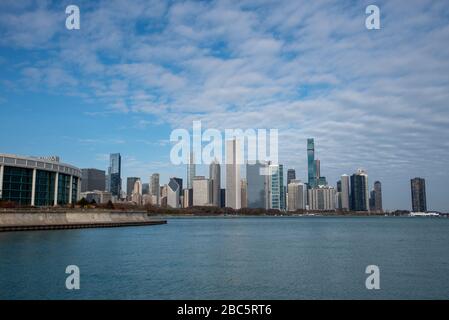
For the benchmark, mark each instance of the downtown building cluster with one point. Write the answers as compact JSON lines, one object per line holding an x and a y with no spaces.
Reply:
{"x":263,"y":187}
{"x":37,"y":181}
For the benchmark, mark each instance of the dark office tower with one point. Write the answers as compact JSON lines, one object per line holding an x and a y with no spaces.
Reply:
{"x":93,"y":179}
{"x":130,"y":185}
{"x":215,"y":181}
{"x":311,"y":165}
{"x":179,"y":182}
{"x":257,"y":185}
{"x":291,"y":175}
{"x":378,"y":196}
{"x":222,"y":198}
{"x":359,"y":191}
{"x":145,"y":188}
{"x":115,"y":174}
{"x":372,"y":201}
{"x":418,"y":187}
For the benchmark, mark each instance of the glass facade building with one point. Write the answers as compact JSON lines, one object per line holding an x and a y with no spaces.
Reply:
{"x":359,"y":191}
{"x":277,"y":190}
{"x":311,"y":165}
{"x":30,"y":181}
{"x":115,"y":174}
{"x":418,"y":189}
{"x":17,"y":185}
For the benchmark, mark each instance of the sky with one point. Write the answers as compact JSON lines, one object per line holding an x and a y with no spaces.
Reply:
{"x":136,"y":70}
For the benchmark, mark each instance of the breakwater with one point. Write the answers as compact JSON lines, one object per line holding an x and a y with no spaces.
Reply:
{"x":23,"y":221}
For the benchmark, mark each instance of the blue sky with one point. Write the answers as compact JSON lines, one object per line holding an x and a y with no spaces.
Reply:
{"x":136,"y":70}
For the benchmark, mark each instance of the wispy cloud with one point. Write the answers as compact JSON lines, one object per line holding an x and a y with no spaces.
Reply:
{"x":376,"y":99}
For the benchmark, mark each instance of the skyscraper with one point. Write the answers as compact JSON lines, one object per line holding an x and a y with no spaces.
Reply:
{"x":155,"y":190}
{"x":359,"y":191}
{"x":317,"y":169}
{"x":257,"y":181}
{"x":291,"y":175}
{"x":191,"y":170}
{"x":215,"y":180}
{"x":233,"y":160}
{"x":130,"y":185}
{"x":115,"y":174}
{"x":201,"y":191}
{"x":311,"y":165}
{"x":136,"y":194}
{"x":277,"y":190}
{"x":377,"y":196}
{"x":297,"y":194}
{"x":345,"y":192}
{"x":322,"y":198}
{"x":145,"y":188}
{"x":179,"y":182}
{"x":418,"y":188}
{"x":244,"y":193}
{"x":173,"y":193}
{"x":93,"y":179}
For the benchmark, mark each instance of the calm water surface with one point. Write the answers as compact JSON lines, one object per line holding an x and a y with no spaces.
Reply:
{"x":233,"y":258}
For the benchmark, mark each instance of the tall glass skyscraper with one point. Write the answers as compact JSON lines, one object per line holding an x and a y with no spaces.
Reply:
{"x":311,"y":165}
{"x":277,"y":190}
{"x":115,"y":174}
{"x":359,"y":191}
{"x":418,"y":188}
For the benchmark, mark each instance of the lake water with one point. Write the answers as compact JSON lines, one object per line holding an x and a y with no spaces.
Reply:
{"x":233,"y":258}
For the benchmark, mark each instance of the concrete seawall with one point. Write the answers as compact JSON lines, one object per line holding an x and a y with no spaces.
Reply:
{"x":17,"y":221}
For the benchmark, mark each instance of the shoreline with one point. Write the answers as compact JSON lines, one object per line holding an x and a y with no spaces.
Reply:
{"x":28,"y":221}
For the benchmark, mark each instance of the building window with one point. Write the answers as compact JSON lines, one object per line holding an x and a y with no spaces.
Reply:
{"x":17,"y":185}
{"x":45,"y":188}
{"x":63,"y":189}
{"x":74,"y":189}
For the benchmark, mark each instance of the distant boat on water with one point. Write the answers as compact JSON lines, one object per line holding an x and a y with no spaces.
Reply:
{"x":424,"y":214}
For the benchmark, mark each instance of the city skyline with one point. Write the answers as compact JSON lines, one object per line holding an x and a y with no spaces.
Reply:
{"x":373,"y":99}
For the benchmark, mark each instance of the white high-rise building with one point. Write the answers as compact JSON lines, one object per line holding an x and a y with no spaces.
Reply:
{"x":322,"y":198}
{"x":345,"y":192}
{"x":201,"y":191}
{"x":191,"y":170}
{"x":297,"y":195}
{"x":233,"y":161}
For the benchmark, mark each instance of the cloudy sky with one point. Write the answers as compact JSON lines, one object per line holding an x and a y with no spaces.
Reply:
{"x":373,"y":99}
